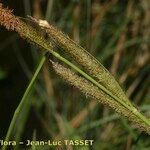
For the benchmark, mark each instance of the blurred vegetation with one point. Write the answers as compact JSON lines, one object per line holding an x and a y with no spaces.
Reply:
{"x":115,"y":32}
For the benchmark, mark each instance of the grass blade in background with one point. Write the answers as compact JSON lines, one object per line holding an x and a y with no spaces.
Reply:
{"x":24,"y":102}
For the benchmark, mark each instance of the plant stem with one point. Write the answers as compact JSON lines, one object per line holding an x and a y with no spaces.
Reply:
{"x":131,"y":109}
{"x":23,"y":101}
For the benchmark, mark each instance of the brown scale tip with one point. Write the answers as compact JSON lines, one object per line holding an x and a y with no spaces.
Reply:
{"x":8,"y":19}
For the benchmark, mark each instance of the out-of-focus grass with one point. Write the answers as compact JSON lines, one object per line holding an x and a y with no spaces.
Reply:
{"x":97,"y":26}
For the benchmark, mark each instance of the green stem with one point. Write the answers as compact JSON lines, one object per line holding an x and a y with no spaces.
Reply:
{"x":131,"y":109}
{"x":23,"y":101}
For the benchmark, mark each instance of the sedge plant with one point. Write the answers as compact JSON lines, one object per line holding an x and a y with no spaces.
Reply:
{"x":93,"y":79}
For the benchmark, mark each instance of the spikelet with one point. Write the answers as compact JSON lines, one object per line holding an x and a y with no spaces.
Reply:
{"x":90,"y":64}
{"x":7,"y":19}
{"x":94,"y":92}
{"x":11,"y":22}
{"x":33,"y":36}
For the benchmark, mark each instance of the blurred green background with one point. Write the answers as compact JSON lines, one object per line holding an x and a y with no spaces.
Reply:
{"x":117,"y":33}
